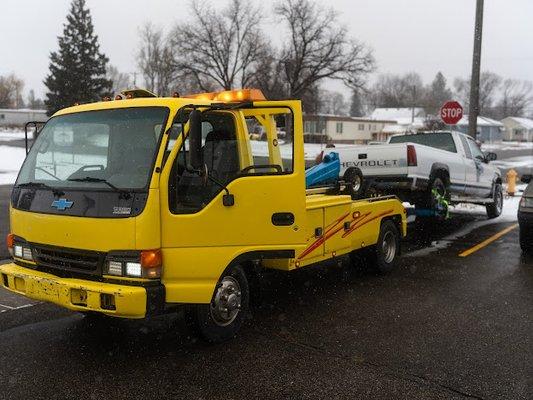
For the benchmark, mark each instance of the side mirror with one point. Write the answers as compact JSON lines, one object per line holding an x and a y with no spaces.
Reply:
{"x":491,"y":157}
{"x":526,"y":178}
{"x":195,"y":140}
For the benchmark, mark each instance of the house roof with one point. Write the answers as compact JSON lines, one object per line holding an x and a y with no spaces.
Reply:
{"x":525,"y":122}
{"x":481,"y":121}
{"x":397,"y":113}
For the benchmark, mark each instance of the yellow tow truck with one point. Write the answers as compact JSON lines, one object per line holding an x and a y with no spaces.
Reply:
{"x":133,"y":206}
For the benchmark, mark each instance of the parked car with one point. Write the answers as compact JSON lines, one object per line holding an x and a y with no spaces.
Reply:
{"x":525,"y":216}
{"x":424,"y":168}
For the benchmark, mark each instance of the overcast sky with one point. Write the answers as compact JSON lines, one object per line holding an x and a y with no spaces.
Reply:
{"x":407,"y":35}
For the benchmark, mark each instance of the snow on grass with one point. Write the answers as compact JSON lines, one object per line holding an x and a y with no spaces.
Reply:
{"x":11,"y":159}
{"x":507,"y":146}
{"x":7,"y":135}
{"x":515,"y":162}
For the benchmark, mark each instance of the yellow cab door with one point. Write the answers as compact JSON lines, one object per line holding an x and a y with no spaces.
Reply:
{"x":248,"y":155}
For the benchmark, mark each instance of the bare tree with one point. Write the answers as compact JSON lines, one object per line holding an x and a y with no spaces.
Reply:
{"x":120,"y":80}
{"x":516,"y":96}
{"x":489,"y":83}
{"x":319,"y":47}
{"x":155,"y":60}
{"x":33,"y":102}
{"x":11,"y":91}
{"x":333,"y":103}
{"x":219,"y":48}
{"x":397,"y":91}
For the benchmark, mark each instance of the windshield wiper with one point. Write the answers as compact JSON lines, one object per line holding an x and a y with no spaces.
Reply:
{"x":123,"y":193}
{"x":96,"y":180}
{"x":40,"y":185}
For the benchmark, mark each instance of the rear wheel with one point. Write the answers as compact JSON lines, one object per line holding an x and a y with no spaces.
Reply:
{"x":383,"y":255}
{"x":220,"y":320}
{"x":494,"y":209}
{"x":353,"y":179}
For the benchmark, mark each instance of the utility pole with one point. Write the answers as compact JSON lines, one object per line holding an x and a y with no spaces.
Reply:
{"x":476,"y":65}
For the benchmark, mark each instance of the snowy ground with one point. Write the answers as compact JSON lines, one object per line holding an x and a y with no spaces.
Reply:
{"x":509,"y":214}
{"x":507,"y":146}
{"x":11,"y":159}
{"x":10,"y":135}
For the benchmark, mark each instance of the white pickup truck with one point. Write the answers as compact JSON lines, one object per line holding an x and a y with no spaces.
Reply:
{"x":416,"y":167}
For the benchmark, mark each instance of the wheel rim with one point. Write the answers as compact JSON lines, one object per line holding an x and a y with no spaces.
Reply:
{"x":226,"y":303}
{"x":388,"y":247}
{"x":356,"y":185}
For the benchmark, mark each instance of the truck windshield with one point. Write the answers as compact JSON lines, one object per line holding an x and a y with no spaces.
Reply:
{"x":438,"y":140}
{"x":111,"y":149}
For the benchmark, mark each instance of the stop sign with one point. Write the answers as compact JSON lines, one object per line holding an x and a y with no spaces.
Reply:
{"x":451,"y":112}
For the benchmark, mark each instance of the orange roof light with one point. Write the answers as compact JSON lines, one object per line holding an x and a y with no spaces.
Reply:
{"x":231,"y":95}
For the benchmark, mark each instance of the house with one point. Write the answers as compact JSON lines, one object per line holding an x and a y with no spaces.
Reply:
{"x":406,"y":119}
{"x":343,"y":129}
{"x":19,"y":117}
{"x":488,"y":130}
{"x":517,"y":129}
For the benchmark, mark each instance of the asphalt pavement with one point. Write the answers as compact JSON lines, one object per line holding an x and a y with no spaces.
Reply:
{"x":438,"y":327}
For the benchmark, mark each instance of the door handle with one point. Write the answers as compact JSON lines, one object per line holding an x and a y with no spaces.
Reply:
{"x":283,"y":219}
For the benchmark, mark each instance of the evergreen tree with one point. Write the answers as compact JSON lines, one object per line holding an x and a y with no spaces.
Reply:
{"x":78,"y":69}
{"x":356,"y":106}
{"x":437,"y":94}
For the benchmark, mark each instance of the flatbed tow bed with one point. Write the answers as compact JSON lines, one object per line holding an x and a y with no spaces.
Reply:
{"x":134,"y":207}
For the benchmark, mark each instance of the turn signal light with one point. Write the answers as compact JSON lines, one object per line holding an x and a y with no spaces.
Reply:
{"x":151,"y":258}
{"x":10,"y":241}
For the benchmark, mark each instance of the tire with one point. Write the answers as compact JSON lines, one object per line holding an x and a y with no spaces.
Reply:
{"x":429,"y":201}
{"x":494,"y":209}
{"x":526,"y":241}
{"x":220,"y":320}
{"x":353,"y":178}
{"x":383,"y":256}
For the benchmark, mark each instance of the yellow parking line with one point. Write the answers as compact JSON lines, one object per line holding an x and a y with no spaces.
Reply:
{"x":487,"y":241}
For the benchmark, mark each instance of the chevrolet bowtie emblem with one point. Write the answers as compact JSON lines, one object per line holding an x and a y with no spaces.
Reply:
{"x":62,"y":204}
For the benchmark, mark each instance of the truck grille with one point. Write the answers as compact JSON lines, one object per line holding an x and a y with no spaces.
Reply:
{"x":67,"y":259}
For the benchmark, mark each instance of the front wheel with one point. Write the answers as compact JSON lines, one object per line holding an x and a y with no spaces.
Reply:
{"x":220,"y":320}
{"x":494,"y":209}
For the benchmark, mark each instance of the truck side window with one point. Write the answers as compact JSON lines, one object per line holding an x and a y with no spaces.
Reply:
{"x":189,"y":192}
{"x":270,"y":143}
{"x":476,"y":152}
{"x":464,"y":142}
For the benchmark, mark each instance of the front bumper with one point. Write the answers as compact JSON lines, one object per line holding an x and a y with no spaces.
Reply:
{"x":83,"y":295}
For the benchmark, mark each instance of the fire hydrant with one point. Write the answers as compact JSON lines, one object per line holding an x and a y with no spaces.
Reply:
{"x":511,"y":182}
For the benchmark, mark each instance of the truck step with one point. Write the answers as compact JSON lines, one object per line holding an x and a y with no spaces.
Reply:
{"x":474,"y":200}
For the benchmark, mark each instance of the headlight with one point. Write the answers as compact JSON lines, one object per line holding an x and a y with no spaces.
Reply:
{"x":114,"y":268}
{"x":22,"y":251}
{"x":135,"y":264}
